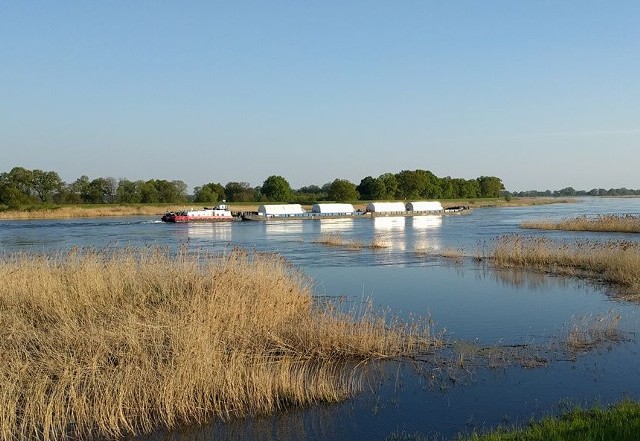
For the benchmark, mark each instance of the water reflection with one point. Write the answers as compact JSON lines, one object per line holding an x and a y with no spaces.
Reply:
{"x":335,"y":225}
{"x":284,"y":227}
{"x":391,"y":232}
{"x":218,"y":231}
{"x":426,"y":222}
{"x":383,"y":223}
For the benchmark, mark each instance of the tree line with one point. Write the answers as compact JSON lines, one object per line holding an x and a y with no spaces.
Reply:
{"x":21,"y":187}
{"x":570,"y":191}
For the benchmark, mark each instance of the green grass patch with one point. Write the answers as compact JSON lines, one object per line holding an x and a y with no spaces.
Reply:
{"x":620,"y":422}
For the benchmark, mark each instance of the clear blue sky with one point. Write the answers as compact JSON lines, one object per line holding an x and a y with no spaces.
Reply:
{"x":544,"y":94}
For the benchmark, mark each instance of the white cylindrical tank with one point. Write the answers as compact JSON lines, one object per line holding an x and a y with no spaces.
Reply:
{"x":333,"y":208}
{"x":386,"y":207}
{"x":424,"y":206}
{"x":280,"y":210}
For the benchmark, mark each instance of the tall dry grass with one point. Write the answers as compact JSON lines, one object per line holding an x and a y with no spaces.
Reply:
{"x":85,"y":211}
{"x":103,"y":344}
{"x":610,"y":223}
{"x":616,"y":262}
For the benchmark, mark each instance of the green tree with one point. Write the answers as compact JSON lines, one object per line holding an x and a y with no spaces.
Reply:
{"x":490,"y":186}
{"x":341,"y":190}
{"x":411,"y":184}
{"x":209,"y":193}
{"x":128,"y":192}
{"x":276,"y":189}
{"x":371,"y":188}
{"x":239,"y":192}
{"x":390,"y":184}
{"x":170,"y":191}
{"x":46,"y":185}
{"x":148,"y":192}
{"x":17,"y":188}
{"x":80,"y":188}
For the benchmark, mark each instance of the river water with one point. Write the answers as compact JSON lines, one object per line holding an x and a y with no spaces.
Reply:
{"x":469,"y":302}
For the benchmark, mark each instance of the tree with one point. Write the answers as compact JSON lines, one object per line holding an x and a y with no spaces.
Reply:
{"x":128,"y":192}
{"x":16,"y":187}
{"x":46,"y":185}
{"x":239,"y":192}
{"x":390,"y":184}
{"x":490,"y":186}
{"x":81,"y":188}
{"x":342,"y":190}
{"x":411,"y":184}
{"x":371,"y":188}
{"x":209,"y":193}
{"x":277,"y":189}
{"x":148,"y":192}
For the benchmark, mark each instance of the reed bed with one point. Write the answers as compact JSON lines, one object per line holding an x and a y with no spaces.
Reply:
{"x":609,"y":223}
{"x":336,"y":240}
{"x":111,"y":343}
{"x":85,"y":211}
{"x":614,"y":262}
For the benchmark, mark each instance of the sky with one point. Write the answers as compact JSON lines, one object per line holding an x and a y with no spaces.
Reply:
{"x":543,"y":94}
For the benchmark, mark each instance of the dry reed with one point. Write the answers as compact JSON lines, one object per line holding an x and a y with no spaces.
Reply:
{"x":85,"y":211}
{"x":105,"y":344}
{"x":336,"y":240}
{"x":588,"y":332}
{"x":626,"y":223}
{"x":616,"y":262}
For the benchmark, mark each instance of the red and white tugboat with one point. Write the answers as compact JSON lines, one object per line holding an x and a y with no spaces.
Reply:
{"x":220,"y":213}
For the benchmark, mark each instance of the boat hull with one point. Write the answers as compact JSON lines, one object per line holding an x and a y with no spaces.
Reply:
{"x":185,"y":219}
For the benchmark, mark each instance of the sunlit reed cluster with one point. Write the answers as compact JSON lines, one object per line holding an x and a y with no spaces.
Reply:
{"x":335,"y":239}
{"x":86,"y":211}
{"x":614,"y":262}
{"x":102,"y":344}
{"x":625,"y":223}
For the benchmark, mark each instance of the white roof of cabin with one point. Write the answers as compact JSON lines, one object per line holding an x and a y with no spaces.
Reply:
{"x":282,"y":209}
{"x":424,"y":206}
{"x":333,"y":208}
{"x":386,"y":207}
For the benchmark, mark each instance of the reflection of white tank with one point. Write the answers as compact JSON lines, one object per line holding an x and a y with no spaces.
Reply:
{"x":426,"y":222}
{"x":328,"y":225}
{"x":217,"y":231}
{"x":385,"y":223}
{"x":294,"y":226}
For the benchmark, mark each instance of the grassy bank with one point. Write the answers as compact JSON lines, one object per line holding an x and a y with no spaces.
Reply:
{"x":85,"y":211}
{"x":604,"y":223}
{"x":101,"y":344}
{"x":615,"y":263}
{"x":620,"y":422}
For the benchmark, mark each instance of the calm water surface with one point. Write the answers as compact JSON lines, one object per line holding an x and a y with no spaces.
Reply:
{"x":471,"y":302}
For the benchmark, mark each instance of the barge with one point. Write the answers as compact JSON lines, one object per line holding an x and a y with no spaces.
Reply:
{"x":346,"y":211}
{"x":220,"y":213}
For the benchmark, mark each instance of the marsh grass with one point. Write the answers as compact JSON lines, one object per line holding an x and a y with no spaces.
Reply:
{"x":589,"y":332}
{"x":85,"y":211}
{"x":336,"y":240}
{"x":610,"y":223}
{"x":613,"y":262}
{"x":457,"y":255}
{"x":109,"y":343}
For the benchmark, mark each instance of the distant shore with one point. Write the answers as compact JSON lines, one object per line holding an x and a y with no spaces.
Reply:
{"x":113,"y":210}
